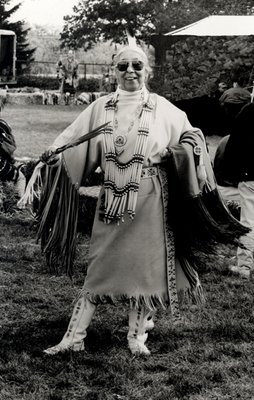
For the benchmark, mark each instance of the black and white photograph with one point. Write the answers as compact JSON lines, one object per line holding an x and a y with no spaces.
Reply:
{"x":126,"y":200}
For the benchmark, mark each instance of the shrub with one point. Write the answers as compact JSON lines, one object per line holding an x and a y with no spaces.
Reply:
{"x":8,"y":198}
{"x":52,"y":83}
{"x":194,"y":66}
{"x":89,"y":85}
{"x":41,"y":82}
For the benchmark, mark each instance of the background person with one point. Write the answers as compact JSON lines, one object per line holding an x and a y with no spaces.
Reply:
{"x":232,"y":101}
{"x":9,"y":172}
{"x":221,"y":88}
{"x":238,"y":167}
{"x":112,"y":76}
{"x":227,"y":187}
{"x":67,"y":72}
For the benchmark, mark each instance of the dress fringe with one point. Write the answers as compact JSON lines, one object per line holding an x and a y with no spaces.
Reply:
{"x":151,"y":303}
{"x":192,"y":295}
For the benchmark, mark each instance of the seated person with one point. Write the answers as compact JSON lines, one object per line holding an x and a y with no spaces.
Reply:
{"x":8,"y":171}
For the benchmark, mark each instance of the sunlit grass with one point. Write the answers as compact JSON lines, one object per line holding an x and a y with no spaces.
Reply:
{"x":36,"y":126}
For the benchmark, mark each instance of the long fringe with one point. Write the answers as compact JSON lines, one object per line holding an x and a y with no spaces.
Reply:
{"x":200,"y":221}
{"x":195,"y":293}
{"x":206,"y":220}
{"x":33,"y":188}
{"x":57,"y":219}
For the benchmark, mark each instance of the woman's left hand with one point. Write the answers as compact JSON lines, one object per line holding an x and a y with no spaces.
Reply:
{"x":165,"y":153}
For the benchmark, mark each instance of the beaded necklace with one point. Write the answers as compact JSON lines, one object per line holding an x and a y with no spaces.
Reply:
{"x":121,"y":180}
{"x":120,"y":139}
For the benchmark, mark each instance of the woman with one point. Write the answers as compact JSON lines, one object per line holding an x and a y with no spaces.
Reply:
{"x":132,"y":253}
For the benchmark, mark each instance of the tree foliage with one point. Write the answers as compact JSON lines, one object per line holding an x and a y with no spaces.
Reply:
{"x":24,"y":53}
{"x":96,"y":20}
{"x":93,"y":20}
{"x":195,"y":65}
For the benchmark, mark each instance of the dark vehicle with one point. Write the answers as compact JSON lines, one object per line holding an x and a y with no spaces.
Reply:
{"x":7,"y":57}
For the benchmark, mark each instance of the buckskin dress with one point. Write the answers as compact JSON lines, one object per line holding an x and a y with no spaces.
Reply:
{"x":133,"y":260}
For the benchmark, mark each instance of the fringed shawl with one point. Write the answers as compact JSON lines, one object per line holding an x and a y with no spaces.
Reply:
{"x":54,"y":193}
{"x":199,"y":217}
{"x":57,"y":218}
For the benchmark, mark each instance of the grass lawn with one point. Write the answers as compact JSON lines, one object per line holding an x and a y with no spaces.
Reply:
{"x":36,"y":126}
{"x":210,"y":356}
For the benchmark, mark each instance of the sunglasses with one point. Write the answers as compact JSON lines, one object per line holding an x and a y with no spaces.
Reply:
{"x":136,"y":65}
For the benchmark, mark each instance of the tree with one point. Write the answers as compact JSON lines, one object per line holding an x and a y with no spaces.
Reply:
{"x":24,"y":53}
{"x":93,"y":21}
{"x":96,"y":20}
{"x":228,"y":7}
{"x":193,"y":65}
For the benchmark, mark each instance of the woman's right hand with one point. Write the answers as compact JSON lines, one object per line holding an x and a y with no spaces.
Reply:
{"x":49,"y":157}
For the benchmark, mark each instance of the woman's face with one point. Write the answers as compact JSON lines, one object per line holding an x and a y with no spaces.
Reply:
{"x":131,"y":71}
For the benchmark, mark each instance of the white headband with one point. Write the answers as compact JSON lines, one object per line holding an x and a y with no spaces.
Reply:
{"x":136,"y":49}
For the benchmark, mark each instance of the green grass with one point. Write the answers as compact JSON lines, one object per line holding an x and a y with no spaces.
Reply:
{"x":208,"y":357}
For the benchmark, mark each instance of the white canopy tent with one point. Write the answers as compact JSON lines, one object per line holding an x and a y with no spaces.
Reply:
{"x":218,"y":25}
{"x":214,"y":25}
